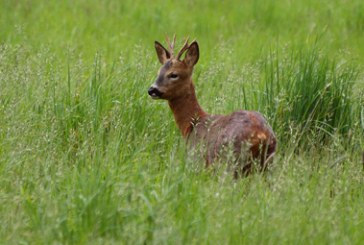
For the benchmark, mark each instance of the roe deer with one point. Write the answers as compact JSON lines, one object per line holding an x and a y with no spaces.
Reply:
{"x":247,"y":132}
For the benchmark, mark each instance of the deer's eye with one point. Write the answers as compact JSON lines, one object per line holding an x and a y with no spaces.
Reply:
{"x":174,"y":76}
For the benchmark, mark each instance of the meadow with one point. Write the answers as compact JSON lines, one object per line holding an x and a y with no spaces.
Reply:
{"x":86,"y":157}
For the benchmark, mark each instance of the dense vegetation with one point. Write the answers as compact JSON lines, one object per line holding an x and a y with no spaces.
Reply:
{"x":86,"y":157}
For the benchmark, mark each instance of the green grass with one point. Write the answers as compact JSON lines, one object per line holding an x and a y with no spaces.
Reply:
{"x":86,"y":157}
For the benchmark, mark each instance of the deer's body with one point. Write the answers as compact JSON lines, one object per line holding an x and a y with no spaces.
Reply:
{"x":246,"y":133}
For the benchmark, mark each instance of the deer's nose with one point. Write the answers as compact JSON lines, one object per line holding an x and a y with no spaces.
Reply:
{"x":154,"y":92}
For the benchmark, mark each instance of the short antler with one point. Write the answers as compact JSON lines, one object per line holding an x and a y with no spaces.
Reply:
{"x":183,"y":49}
{"x":171,"y":44}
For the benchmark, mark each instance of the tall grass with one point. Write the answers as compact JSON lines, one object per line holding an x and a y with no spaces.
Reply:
{"x":87,"y":158}
{"x":312,"y":93}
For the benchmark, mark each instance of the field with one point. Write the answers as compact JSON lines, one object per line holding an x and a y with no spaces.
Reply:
{"x":86,"y":157}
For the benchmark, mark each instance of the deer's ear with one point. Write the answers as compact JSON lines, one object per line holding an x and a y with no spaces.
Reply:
{"x":162,"y":53}
{"x":192,"y":54}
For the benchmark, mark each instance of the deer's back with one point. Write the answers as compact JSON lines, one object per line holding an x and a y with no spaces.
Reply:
{"x":247,"y":132}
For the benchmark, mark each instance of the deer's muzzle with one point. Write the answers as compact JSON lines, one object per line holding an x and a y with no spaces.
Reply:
{"x":154,"y":93}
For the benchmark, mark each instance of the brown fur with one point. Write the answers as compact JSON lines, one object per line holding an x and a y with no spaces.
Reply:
{"x":246,"y":132}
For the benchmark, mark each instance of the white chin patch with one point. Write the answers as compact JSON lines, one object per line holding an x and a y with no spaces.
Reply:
{"x":154,"y":96}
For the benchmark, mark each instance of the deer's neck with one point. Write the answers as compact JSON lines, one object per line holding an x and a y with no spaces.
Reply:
{"x":186,"y":111}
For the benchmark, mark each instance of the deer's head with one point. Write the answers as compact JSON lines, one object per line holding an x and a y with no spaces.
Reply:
{"x":174,"y":77}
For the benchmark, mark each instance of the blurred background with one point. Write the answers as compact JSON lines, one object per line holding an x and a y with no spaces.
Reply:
{"x":245,"y":27}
